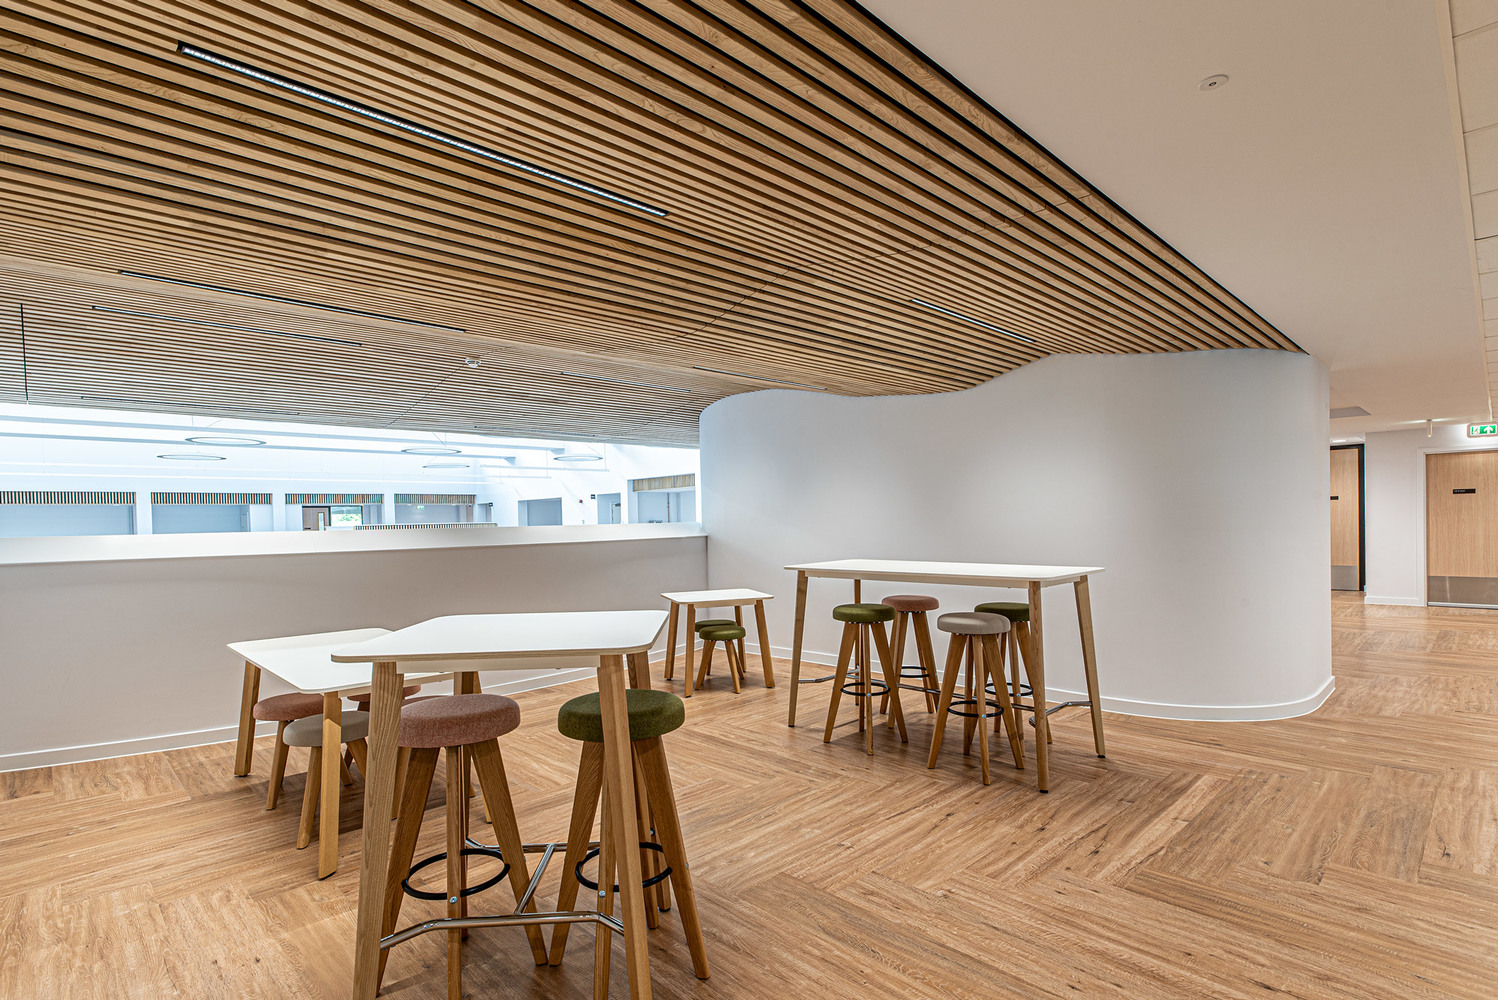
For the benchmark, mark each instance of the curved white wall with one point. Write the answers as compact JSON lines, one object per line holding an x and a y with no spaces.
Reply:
{"x":1199,"y":480}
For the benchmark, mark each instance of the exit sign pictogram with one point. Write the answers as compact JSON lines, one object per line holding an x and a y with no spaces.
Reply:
{"x":1482,"y":430}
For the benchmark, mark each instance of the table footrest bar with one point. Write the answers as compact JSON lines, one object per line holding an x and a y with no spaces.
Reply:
{"x":1053,"y":709}
{"x":817,"y":680}
{"x":501,"y":920}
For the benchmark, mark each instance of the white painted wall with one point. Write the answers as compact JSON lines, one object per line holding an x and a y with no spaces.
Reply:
{"x":1394,"y":483}
{"x":111,"y":646}
{"x":1199,"y":480}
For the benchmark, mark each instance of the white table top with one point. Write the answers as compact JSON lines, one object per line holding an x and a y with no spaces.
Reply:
{"x":717,"y":598}
{"x":916,"y":571}
{"x":506,"y":642}
{"x":304,"y":661}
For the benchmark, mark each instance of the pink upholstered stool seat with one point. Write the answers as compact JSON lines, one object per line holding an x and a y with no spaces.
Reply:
{"x":457,"y":720}
{"x":287,"y":707}
{"x":362,"y":700}
{"x":912,"y":602}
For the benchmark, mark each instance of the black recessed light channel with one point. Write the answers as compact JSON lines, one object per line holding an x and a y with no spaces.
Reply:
{"x":229,"y":326}
{"x":406,"y":125}
{"x":975,"y":322}
{"x":293,"y":302}
{"x":759,"y":378}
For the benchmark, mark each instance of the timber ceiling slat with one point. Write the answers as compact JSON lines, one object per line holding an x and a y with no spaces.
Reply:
{"x":12,"y":357}
{"x":818,"y":174}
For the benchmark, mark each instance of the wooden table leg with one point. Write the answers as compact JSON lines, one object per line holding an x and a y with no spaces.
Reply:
{"x":1089,"y":661}
{"x":332,"y":786}
{"x":796,"y":635}
{"x":738,"y":619}
{"x":244,"y":750}
{"x":671,"y":641}
{"x":764,"y":643}
{"x":1036,"y":668}
{"x":619,"y":799}
{"x":691,"y":648}
{"x":379,"y":801}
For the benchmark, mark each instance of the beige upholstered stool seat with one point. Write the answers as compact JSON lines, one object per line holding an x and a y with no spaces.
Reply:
{"x":308,"y":732}
{"x":912,"y":602}
{"x":287,"y":707}
{"x":362,"y":700}
{"x":973,"y":623}
{"x":457,"y":720}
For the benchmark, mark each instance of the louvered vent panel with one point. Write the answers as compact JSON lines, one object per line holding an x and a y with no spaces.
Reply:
{"x":70,"y":497}
{"x":211,"y":498}
{"x":332,"y":498}
{"x":402,"y":527}
{"x":436,"y":497}
{"x":686,"y":481}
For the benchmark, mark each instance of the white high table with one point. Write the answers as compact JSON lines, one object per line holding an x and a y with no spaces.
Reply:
{"x":1032,"y":579}
{"x":305,"y":662}
{"x":465,"y":643}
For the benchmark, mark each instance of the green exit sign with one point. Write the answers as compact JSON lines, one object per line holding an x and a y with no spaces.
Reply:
{"x":1482,"y":430}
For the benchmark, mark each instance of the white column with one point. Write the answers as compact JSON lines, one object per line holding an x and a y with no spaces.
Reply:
{"x":142,"y":512}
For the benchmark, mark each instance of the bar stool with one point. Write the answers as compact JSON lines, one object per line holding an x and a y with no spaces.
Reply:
{"x":283,"y":709}
{"x":462,"y":725}
{"x":859,"y":621}
{"x":910,"y":607}
{"x":1018,"y":613}
{"x":974,"y":642}
{"x":730,"y":636}
{"x":652,"y":714}
{"x":307,"y":732}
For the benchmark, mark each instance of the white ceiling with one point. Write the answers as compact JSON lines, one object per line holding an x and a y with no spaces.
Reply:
{"x":1322,"y":184}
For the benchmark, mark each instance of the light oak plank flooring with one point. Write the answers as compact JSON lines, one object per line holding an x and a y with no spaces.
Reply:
{"x":1349,"y":854}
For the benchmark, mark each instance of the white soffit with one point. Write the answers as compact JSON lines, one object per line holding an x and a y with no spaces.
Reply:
{"x":1322,"y":185}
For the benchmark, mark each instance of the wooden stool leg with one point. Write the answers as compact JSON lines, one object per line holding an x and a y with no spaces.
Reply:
{"x":584,"y":809}
{"x":490,"y":764}
{"x":840,"y":677}
{"x":457,"y":798}
{"x":891,"y":679}
{"x":993,"y":653}
{"x":944,"y":701}
{"x":402,"y":763}
{"x":603,"y":938}
{"x":412,"y":809}
{"x":735,"y":667}
{"x":764,"y":643}
{"x":344,"y":774}
{"x":309,"y":798}
{"x":968,"y":722}
{"x":670,"y":643}
{"x":738,"y":618}
{"x":897,"y":648}
{"x":980,"y":663}
{"x":691,"y":637}
{"x":277,"y":768}
{"x":650,"y":861}
{"x":927,"y":658}
{"x":359,"y":750}
{"x":707,"y":662}
{"x":652,"y":757}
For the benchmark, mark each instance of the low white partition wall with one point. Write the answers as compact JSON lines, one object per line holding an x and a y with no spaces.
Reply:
{"x":1198,"y":480}
{"x":115,"y":645}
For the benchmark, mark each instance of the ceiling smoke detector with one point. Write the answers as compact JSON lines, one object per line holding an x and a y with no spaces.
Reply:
{"x":1213,"y":82}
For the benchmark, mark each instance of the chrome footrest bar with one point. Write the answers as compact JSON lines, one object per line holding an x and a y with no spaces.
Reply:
{"x":502,"y":920}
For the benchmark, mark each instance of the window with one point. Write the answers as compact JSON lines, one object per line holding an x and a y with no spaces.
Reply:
{"x":348,"y":515}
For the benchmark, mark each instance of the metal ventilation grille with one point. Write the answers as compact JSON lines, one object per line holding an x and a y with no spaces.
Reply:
{"x":683,"y":482}
{"x":331,"y":498}
{"x":49,"y":497}
{"x":402,"y":527}
{"x":436,"y":497}
{"x":210,"y":498}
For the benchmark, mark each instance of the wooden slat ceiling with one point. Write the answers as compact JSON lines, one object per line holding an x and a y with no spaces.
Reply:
{"x":818,"y":175}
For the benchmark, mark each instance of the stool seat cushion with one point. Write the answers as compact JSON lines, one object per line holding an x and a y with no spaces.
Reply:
{"x":362,"y":700}
{"x":651,"y":713}
{"x":722,"y":633}
{"x":863,"y":614}
{"x":1015,"y":611}
{"x":307,"y":732}
{"x":712,"y":623}
{"x":287,"y":707}
{"x":912,"y":602}
{"x":457,"y":720}
{"x":973,"y":623}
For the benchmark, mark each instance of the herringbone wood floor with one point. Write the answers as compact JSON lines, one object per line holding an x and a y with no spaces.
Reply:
{"x":1350,"y":854}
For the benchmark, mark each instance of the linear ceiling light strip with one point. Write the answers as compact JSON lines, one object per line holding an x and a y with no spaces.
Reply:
{"x":406,"y":125}
{"x":289,"y":301}
{"x":975,"y":322}
{"x":228,"y":326}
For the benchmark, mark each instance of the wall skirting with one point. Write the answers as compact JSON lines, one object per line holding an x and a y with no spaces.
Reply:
{"x":1404,"y":602}
{"x":227,"y":734}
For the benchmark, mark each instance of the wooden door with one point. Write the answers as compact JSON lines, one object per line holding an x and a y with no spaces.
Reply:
{"x":1347,"y":519}
{"x":1461,"y":528}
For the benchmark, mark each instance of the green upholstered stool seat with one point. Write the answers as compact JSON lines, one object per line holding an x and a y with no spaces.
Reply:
{"x":651,"y":713}
{"x":712,"y":623}
{"x":863,"y":614}
{"x":1015,"y":611}
{"x":721,"y":633}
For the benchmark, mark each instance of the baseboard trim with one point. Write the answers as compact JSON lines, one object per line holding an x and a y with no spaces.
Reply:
{"x":29,"y":759}
{"x":1144,"y":709}
{"x":1404,"y":602}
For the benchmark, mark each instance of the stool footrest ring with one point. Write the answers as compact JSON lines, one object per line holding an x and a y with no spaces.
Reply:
{"x":856,"y":689}
{"x":478,"y":851}
{"x":645,"y":845}
{"x":954,"y":710}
